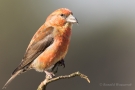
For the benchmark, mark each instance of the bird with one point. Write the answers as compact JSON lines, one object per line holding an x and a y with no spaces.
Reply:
{"x":49,"y":45}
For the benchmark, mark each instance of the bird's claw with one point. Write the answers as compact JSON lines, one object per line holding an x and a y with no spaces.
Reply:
{"x":61,"y":63}
{"x":49,"y":74}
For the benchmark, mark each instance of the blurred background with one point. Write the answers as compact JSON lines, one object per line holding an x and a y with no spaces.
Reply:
{"x":102,"y":45}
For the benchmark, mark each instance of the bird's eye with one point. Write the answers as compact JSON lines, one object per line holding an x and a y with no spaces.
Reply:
{"x":62,"y":15}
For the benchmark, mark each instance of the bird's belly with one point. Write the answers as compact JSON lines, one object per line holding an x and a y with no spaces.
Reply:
{"x":51,"y":55}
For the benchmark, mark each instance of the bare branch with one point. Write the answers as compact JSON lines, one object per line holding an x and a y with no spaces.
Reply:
{"x":44,"y":83}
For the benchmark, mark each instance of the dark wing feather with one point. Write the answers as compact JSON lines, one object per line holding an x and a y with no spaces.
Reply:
{"x":36,"y":47}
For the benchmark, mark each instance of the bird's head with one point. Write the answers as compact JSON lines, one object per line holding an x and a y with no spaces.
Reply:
{"x":61,"y":17}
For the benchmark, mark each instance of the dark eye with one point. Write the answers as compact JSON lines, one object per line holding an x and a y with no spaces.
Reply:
{"x":62,"y":15}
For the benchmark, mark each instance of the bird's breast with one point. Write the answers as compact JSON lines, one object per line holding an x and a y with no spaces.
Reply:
{"x":55,"y":52}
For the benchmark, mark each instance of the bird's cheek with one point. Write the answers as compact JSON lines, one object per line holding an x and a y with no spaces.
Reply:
{"x":60,"y":22}
{"x":63,"y":22}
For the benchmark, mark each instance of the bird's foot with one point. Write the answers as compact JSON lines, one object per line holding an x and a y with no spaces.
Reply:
{"x":61,"y":63}
{"x":49,"y":75}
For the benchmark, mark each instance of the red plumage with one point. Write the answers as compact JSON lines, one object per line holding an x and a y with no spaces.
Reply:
{"x":49,"y":45}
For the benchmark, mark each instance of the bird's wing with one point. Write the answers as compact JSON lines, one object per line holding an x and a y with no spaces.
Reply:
{"x":41,"y":40}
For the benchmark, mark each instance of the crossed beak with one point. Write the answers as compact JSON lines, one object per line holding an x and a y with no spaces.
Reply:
{"x":71,"y":19}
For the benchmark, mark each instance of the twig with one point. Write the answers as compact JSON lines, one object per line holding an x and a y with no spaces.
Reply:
{"x":44,"y":83}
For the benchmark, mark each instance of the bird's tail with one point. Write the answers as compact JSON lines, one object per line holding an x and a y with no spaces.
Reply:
{"x":12,"y":77}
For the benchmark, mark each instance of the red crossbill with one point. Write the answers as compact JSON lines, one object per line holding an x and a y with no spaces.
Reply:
{"x":49,"y":45}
